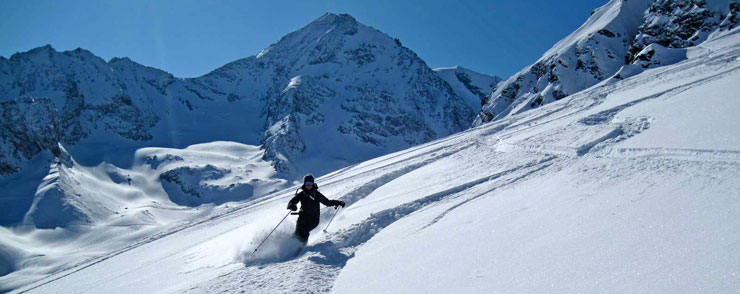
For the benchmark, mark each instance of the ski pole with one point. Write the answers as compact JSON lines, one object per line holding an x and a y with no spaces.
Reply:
{"x":268,"y":235}
{"x":336,"y":210}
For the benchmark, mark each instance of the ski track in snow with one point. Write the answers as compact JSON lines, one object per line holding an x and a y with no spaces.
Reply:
{"x":390,"y":168}
{"x":321,"y":263}
{"x":96,"y":260}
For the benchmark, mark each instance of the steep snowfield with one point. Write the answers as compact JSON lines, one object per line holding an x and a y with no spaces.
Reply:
{"x":619,"y":39}
{"x":630,"y":186}
{"x":590,"y":54}
{"x":469,"y":85}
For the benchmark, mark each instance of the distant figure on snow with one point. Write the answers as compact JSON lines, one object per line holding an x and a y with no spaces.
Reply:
{"x":308,"y":217}
{"x":128,"y":178}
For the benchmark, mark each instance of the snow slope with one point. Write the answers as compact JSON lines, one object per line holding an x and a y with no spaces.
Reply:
{"x":618,"y":40}
{"x":108,"y":208}
{"x":471,"y":86}
{"x":625,"y":187}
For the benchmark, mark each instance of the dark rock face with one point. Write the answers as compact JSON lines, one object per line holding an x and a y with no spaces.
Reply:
{"x":678,"y":24}
{"x":30,"y":125}
{"x":732,"y":17}
{"x":81,"y":94}
{"x":124,"y":118}
{"x":27,"y":127}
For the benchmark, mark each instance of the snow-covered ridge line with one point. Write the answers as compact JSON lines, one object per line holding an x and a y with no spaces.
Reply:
{"x":619,"y":39}
{"x":341,"y":93}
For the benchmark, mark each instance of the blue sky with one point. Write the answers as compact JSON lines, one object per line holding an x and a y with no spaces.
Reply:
{"x":190,"y":38}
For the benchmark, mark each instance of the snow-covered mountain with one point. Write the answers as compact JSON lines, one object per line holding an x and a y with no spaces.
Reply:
{"x":472,"y":86}
{"x":342,"y":91}
{"x":330,"y":94}
{"x":334,"y":80}
{"x":620,"y":39}
{"x":624,"y":185}
{"x":630,"y":186}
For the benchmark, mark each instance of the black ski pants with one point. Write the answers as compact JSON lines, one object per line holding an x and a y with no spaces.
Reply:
{"x":304,"y":226}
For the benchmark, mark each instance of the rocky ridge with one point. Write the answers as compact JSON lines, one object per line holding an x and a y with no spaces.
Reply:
{"x":619,"y":40}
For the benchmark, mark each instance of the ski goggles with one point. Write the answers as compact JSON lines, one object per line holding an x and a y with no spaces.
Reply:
{"x":308,"y":184}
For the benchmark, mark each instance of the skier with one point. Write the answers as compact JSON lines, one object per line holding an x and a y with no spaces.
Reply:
{"x":308,"y":217}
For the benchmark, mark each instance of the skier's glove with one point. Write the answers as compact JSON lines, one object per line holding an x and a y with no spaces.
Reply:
{"x":292,"y":206}
{"x":339,"y":203}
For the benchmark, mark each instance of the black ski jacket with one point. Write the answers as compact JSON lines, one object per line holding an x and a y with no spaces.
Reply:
{"x":310,"y":203}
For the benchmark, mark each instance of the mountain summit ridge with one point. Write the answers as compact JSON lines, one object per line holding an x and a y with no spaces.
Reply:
{"x":330,"y":94}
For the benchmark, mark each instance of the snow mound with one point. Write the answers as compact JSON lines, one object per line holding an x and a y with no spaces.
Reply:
{"x":9,"y":259}
{"x":189,"y":186}
{"x":216,"y":172}
{"x":58,"y":201}
{"x":655,"y":55}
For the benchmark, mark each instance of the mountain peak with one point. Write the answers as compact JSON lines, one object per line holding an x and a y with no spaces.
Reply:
{"x":120,"y":59}
{"x":336,"y":19}
{"x":38,"y":50}
{"x":47,"y":51}
{"x":344,"y":23}
{"x":44,"y":48}
{"x":321,"y":31}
